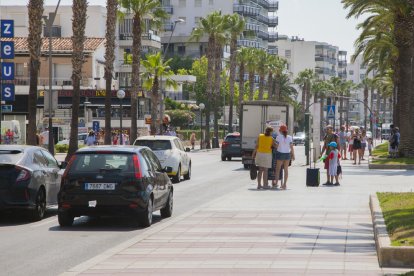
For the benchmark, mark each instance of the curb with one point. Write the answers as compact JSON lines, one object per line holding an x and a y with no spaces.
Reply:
{"x":388,"y":255}
{"x":390,"y":167}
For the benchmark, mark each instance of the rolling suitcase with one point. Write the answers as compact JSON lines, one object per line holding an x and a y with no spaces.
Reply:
{"x":312,"y":175}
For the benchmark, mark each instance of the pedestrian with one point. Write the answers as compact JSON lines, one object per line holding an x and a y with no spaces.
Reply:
{"x":357,"y":146}
{"x":192,"y":140}
{"x":395,"y":142}
{"x":342,"y":142}
{"x":166,"y":128}
{"x":115,"y":139}
{"x":90,"y":139}
{"x":351,"y":144}
{"x":263,"y":156}
{"x":363,"y":143}
{"x":370,"y":145}
{"x":333,"y":157}
{"x":284,"y":155}
{"x":329,"y":137}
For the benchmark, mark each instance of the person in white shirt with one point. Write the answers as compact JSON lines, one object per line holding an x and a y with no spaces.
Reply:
{"x":284,"y":154}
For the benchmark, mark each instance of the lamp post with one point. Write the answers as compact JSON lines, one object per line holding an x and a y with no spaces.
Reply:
{"x":121,"y":95}
{"x":201,"y":106}
{"x":49,"y":22}
{"x":163,"y":58}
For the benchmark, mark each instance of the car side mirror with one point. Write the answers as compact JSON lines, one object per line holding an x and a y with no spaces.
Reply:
{"x":63,"y":165}
{"x":168,"y":169}
{"x":187,"y":149}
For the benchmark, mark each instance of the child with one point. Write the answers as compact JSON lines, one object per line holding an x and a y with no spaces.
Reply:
{"x":333,"y":157}
{"x":370,"y":146}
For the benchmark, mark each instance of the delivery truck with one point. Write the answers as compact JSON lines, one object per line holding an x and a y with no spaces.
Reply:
{"x":255,"y":117}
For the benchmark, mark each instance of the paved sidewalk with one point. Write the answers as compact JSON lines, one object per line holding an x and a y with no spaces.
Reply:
{"x":300,"y":231}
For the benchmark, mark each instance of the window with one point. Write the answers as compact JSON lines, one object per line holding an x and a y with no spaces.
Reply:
{"x":197,"y":19}
{"x":182,"y":3}
{"x":51,"y":161}
{"x":288,"y":53}
{"x":39,"y":159}
{"x":181,"y":50}
{"x":197,"y":3}
{"x":19,"y":69}
{"x":351,"y":72}
{"x":154,"y":160}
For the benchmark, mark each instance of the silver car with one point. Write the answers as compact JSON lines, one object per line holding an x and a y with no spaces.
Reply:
{"x":29,"y":179}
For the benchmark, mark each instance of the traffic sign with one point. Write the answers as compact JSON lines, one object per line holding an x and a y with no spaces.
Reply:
{"x":7,"y":92}
{"x":7,"y":49}
{"x":7,"y":108}
{"x":7,"y":28}
{"x":330,"y":111}
{"x":7,"y":71}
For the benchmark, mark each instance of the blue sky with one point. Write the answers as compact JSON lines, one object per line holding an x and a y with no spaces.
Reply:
{"x":320,"y":20}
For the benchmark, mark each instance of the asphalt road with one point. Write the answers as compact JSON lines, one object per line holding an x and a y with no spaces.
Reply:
{"x":43,"y":248}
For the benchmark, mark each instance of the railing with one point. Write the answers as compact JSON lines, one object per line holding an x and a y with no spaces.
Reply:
{"x":263,"y":35}
{"x":168,"y":9}
{"x":55,"y":81}
{"x":146,"y":36}
{"x":246,"y":10}
{"x":272,"y":51}
{"x":273,"y":37}
{"x":269,"y":4}
{"x":248,"y":43}
{"x":252,"y":27}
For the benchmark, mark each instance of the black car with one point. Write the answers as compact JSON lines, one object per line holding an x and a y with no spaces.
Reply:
{"x":231,"y":146}
{"x":115,"y":180}
{"x":299,"y":138}
{"x":29,"y":179}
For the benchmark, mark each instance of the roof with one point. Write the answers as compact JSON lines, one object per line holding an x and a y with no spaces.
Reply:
{"x":112,"y":148}
{"x":157,"y":137}
{"x":59,"y":44}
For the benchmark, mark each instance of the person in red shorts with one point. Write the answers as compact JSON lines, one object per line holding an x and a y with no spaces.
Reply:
{"x":329,"y":137}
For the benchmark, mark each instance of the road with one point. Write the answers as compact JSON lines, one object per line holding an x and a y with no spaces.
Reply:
{"x":43,"y":248}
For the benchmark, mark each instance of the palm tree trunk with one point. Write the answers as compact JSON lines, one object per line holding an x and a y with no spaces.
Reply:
{"x":155,"y":102}
{"x":241,"y":90}
{"x":308,"y":95}
{"x":232,"y":79}
{"x":209,"y":103}
{"x":341,"y":108}
{"x":78,"y":39}
{"x":322,"y":114}
{"x":270,"y":91}
{"x":303,"y":101}
{"x":365,"y":106}
{"x":251,"y":85}
{"x":111,"y":12}
{"x":136,"y":63}
{"x":35,"y":8}
{"x":217,"y":94}
{"x":277,"y":88}
{"x":261,"y":86}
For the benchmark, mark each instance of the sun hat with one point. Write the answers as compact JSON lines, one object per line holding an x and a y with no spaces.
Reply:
{"x":332,"y":144}
{"x":283,"y":128}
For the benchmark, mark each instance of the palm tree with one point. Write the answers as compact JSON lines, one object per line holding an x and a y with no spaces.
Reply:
{"x":212,"y":26}
{"x":262,"y":59}
{"x":155,"y":69}
{"x":35,"y":8}
{"x":251,"y":68}
{"x":141,"y":10}
{"x":276,"y":66}
{"x":304,"y":80}
{"x":111,"y":13}
{"x":242,"y":58}
{"x":235,"y":26}
{"x":79,"y":10}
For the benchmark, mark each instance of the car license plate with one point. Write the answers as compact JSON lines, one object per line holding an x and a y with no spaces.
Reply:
{"x":99,"y":186}
{"x":235,"y":146}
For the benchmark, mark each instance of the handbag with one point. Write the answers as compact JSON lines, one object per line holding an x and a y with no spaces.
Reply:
{"x":253,"y":171}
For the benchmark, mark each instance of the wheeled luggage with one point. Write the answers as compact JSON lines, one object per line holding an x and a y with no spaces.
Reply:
{"x":312,"y":175}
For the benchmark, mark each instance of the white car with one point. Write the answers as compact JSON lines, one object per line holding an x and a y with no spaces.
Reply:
{"x":171,"y":153}
{"x":81,"y":140}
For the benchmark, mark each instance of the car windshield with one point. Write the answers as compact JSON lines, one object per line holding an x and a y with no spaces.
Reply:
{"x":233,"y":139}
{"x":154,"y":144}
{"x":96,"y":162}
{"x":10,"y":156}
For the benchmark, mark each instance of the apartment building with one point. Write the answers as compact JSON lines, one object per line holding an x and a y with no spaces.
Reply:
{"x":260,"y":16}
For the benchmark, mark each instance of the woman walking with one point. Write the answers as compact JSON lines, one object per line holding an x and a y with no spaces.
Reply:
{"x":90,"y":139}
{"x":284,"y":153}
{"x":357,"y":147}
{"x":263,"y":156}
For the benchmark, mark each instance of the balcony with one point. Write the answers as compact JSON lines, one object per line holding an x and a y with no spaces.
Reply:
{"x":246,"y":10}
{"x":273,"y":6}
{"x":168,"y":27}
{"x":252,"y":27}
{"x":342,"y":63}
{"x":85,"y":82}
{"x":270,"y":21}
{"x":168,"y":9}
{"x":273,"y":21}
{"x":273,"y":37}
{"x":272,"y":51}
{"x":148,"y":40}
{"x":263,"y":35}
{"x":248,"y":43}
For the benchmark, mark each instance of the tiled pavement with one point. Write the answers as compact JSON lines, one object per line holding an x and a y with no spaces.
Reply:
{"x":301,"y":231}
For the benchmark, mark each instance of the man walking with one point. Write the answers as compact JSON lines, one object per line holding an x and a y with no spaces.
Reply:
{"x":329,"y":137}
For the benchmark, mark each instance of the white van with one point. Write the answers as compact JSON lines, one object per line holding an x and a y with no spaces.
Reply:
{"x":14,"y":127}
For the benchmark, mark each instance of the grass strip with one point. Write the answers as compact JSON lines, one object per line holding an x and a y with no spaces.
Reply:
{"x":380,"y":154}
{"x":398,"y":212}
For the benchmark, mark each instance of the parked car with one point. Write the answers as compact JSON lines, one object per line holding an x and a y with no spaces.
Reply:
{"x":171,"y":152}
{"x":81,"y":140}
{"x":299,"y":138}
{"x":231,"y":146}
{"x":115,"y":180}
{"x":29,"y":179}
{"x":369,"y":134}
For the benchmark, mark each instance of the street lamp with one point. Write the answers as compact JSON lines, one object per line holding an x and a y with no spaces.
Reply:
{"x":49,"y":22}
{"x":121,"y":95}
{"x":180,"y":20}
{"x":201,"y":106}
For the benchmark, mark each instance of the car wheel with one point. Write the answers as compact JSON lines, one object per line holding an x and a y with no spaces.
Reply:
{"x":187,"y":176}
{"x":176,"y":178}
{"x":146,"y":217}
{"x":246,"y":166}
{"x":223,"y":158}
{"x":65,"y":219}
{"x":167,"y":211}
{"x":228,"y":158}
{"x":39,"y":212}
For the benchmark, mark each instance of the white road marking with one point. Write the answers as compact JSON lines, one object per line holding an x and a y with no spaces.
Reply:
{"x":44,"y":222}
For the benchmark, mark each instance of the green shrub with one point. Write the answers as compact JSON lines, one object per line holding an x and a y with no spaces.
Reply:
{"x":61,"y":148}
